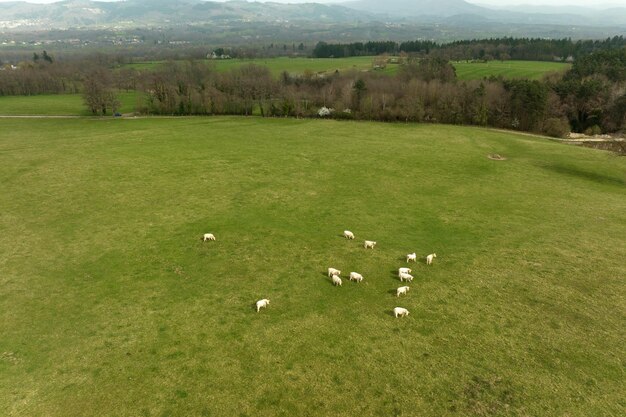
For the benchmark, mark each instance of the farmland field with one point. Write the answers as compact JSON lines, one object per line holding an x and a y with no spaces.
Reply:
{"x":110,"y":304}
{"x":58,"y":104}
{"x":278,"y":65}
{"x":465,"y":70}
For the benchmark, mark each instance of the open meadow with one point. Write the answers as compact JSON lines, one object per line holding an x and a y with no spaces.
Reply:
{"x":110,"y":303}
{"x":60,"y":104}
{"x":280,"y":64}
{"x":533,"y":70}
{"x":465,"y":70}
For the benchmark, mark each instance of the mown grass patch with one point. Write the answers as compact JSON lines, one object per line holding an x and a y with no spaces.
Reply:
{"x":59,"y":104}
{"x":110,"y":303}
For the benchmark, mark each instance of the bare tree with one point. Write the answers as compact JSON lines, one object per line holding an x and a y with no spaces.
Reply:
{"x":98,"y":93}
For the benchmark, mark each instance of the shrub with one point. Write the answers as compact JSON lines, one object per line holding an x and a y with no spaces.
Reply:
{"x":556,"y":127}
{"x":593,"y":130}
{"x":324,"y":112}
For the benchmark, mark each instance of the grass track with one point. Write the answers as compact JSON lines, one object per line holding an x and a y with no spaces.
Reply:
{"x":111,"y":304}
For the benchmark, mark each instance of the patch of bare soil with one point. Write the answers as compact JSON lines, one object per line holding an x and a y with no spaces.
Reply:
{"x":496,"y":157}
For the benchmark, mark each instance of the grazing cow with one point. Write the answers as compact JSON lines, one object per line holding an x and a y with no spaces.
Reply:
{"x":369,"y":244}
{"x":262,"y":304}
{"x":402,"y":291}
{"x":400,"y":312}
{"x":355,"y":276}
{"x":404,"y":271}
{"x":406,"y":277}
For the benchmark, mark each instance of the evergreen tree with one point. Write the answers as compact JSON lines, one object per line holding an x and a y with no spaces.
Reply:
{"x":47,"y":57}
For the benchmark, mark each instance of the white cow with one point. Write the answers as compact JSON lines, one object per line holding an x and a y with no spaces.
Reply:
{"x":411,"y":257}
{"x":208,"y":236}
{"x":355,"y":276}
{"x":336,"y":280}
{"x":402,"y":291}
{"x":429,"y":258}
{"x":333,"y":271}
{"x":262,"y":304}
{"x":404,"y":271}
{"x":406,"y":277}
{"x":400,"y":311}
{"x":369,"y":244}
{"x":348,"y":234}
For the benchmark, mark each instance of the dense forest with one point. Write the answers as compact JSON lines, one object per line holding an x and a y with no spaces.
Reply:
{"x":590,"y":98}
{"x":484,"y":49}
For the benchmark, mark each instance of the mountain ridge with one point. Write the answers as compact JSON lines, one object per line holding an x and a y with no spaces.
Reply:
{"x":441,"y":8}
{"x":98,"y":14}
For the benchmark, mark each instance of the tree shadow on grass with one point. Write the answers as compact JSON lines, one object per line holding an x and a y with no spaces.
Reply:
{"x":577,"y":172}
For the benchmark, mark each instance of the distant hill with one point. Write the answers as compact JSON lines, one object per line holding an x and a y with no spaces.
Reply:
{"x":87,"y":13}
{"x":20,"y":15}
{"x":441,"y":8}
{"x":593,"y":16}
{"x":462,"y":12}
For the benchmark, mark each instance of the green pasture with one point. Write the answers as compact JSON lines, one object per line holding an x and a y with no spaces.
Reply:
{"x":49,"y":104}
{"x":281,"y":64}
{"x":533,"y":70}
{"x":465,"y":70}
{"x":110,"y":303}
{"x":58,"y":104}
{"x":300,"y":65}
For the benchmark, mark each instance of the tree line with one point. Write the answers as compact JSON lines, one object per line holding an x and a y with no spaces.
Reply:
{"x":591,"y":97}
{"x":531,"y":49}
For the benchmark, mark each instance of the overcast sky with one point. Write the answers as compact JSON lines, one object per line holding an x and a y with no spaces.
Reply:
{"x":485,"y":2}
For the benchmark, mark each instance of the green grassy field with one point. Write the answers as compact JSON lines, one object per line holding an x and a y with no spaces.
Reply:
{"x":465,"y":70}
{"x":110,"y":304}
{"x":533,"y":70}
{"x":58,"y":104}
{"x":300,"y":65}
{"x":278,"y":65}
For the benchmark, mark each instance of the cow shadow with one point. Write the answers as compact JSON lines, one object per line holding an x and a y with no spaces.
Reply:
{"x":393,"y":275}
